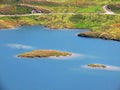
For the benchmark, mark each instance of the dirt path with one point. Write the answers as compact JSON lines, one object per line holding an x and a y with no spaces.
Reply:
{"x":107,"y":11}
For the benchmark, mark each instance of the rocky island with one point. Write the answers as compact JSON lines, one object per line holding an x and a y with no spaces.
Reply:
{"x":96,"y":65}
{"x":44,"y":53}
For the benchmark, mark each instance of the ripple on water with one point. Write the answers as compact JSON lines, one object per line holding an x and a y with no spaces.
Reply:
{"x":18,"y":46}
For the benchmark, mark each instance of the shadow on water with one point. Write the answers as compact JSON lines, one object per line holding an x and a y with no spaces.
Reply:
{"x":2,"y":86}
{"x":118,"y":88}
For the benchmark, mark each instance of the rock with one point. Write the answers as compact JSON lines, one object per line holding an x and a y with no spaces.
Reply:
{"x":89,"y":34}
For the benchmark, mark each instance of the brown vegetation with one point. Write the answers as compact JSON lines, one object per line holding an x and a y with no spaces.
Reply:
{"x":44,"y":53}
{"x":8,"y":24}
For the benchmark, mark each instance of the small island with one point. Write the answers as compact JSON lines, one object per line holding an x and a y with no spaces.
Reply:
{"x":44,"y":53}
{"x":97,"y":65}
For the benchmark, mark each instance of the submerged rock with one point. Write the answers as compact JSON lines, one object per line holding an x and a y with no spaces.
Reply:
{"x":44,"y":53}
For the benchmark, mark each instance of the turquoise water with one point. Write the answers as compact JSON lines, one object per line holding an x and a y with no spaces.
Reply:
{"x":53,"y":73}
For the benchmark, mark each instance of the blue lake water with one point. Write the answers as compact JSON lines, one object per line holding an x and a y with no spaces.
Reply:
{"x":53,"y":73}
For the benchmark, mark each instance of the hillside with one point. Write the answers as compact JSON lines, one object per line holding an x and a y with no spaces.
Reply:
{"x":66,"y":1}
{"x":85,"y":14}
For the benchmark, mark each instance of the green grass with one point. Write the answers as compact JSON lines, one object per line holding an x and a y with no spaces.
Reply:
{"x":87,"y":21}
{"x":68,"y":7}
{"x":94,"y":21}
{"x":93,"y":9}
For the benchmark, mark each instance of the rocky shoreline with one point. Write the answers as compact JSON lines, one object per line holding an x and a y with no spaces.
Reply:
{"x":101,"y":35}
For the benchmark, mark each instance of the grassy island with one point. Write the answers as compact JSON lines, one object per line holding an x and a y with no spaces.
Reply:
{"x":97,"y":66}
{"x":44,"y":53}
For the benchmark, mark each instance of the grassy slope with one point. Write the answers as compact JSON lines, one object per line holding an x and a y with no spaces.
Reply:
{"x":78,"y":6}
{"x":94,"y":22}
{"x":69,"y":7}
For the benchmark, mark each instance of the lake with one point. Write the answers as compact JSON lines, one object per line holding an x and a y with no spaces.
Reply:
{"x":57,"y":73}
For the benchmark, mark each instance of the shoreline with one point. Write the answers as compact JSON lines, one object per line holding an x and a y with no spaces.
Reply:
{"x":2,"y":29}
{"x":78,"y":21}
{"x":82,"y":34}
